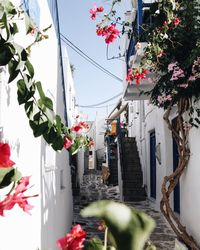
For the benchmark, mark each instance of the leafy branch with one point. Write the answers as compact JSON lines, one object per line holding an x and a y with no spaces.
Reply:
{"x":38,"y":107}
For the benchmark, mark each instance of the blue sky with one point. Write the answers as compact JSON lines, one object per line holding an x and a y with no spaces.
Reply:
{"x":92,"y":86}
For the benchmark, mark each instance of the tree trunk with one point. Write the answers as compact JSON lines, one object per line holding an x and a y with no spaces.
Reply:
{"x":180,"y":134}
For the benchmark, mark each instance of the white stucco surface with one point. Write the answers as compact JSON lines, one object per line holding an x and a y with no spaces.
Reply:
{"x":51,"y":216}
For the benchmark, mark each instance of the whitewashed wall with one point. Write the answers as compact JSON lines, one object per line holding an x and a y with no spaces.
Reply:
{"x":189,"y":183}
{"x":50,"y":173}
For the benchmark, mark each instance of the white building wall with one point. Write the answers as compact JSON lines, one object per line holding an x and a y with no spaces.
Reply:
{"x":190,"y":186}
{"x":189,"y":183}
{"x":50,"y":172}
{"x":100,"y":128}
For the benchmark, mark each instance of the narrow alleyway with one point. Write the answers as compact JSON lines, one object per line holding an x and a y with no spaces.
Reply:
{"x":92,"y":189}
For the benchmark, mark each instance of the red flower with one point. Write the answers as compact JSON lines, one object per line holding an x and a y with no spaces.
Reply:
{"x":67,"y":143}
{"x":111,"y":33}
{"x":176,"y":21}
{"x":136,"y":74}
{"x":94,"y":11}
{"x":17,"y":198}
{"x":100,"y":9}
{"x":165,"y":23}
{"x":73,"y":240}
{"x":84,"y":125}
{"x":76,"y":128}
{"x":5,"y":161}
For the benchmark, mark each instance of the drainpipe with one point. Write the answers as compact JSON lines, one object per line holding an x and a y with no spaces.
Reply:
{"x":61,"y":64}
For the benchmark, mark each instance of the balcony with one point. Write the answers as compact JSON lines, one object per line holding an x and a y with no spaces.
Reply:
{"x":133,"y":91}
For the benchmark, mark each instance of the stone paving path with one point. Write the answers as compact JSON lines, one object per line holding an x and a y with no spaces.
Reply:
{"x":93,"y":189}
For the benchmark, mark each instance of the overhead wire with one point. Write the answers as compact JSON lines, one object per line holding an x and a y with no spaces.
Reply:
{"x":99,"y":107}
{"x":86,"y":57}
{"x":100,"y":103}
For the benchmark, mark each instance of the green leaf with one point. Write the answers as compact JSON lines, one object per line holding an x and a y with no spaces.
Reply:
{"x":14,"y":29}
{"x":40,"y":90}
{"x":47,"y":102}
{"x":5,"y":54}
{"x":30,"y":68}
{"x":6,"y":176}
{"x":24,"y":55}
{"x":39,"y":129}
{"x":12,"y":65}
{"x":3,"y":172}
{"x":58,"y":143}
{"x":129,"y":231}
{"x":9,"y":7}
{"x":23,"y":93}
{"x":58,"y":123}
{"x":37,"y":116}
{"x":29,"y":107}
{"x":94,"y":244}
{"x":17,"y":176}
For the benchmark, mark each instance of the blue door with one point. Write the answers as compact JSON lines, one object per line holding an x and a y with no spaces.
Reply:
{"x":153,"y":164}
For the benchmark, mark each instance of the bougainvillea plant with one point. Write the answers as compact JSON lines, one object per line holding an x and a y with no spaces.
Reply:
{"x":172,"y":54}
{"x":14,"y":184}
{"x":130,"y":231}
{"x":38,"y":107}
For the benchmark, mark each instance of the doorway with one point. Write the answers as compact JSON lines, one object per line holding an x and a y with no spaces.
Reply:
{"x":153,"y":164}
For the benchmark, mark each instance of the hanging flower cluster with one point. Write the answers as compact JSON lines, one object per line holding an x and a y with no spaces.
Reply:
{"x":95,"y":10}
{"x":136,"y":74}
{"x":8,"y":176}
{"x":110,"y":32}
{"x":106,"y":28}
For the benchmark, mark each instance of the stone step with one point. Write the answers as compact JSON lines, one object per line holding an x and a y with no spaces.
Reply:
{"x":132,"y":165}
{"x":134,"y":192}
{"x":134,"y":198}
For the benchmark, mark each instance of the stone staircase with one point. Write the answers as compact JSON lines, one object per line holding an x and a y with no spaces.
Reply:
{"x":131,"y":172}
{"x":113,"y":165}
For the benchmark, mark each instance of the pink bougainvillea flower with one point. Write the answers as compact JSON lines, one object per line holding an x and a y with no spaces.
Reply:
{"x":137,"y":75}
{"x":192,"y":78}
{"x":111,"y":33}
{"x":67,"y":142}
{"x":161,"y":53}
{"x":171,"y":66}
{"x":165,"y":23}
{"x":94,"y":11}
{"x":176,"y":21}
{"x":5,"y":161}
{"x":76,"y":128}
{"x":22,"y":185}
{"x":84,"y":125}
{"x":100,"y":9}
{"x":73,"y":240}
{"x":17,"y":197}
{"x":183,"y":85}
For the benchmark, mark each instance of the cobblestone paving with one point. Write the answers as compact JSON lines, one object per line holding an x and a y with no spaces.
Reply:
{"x":93,"y":189}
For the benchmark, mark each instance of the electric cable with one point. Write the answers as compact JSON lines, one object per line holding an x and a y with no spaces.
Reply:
{"x":100,"y":103}
{"x":99,"y":107}
{"x":89,"y":59}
